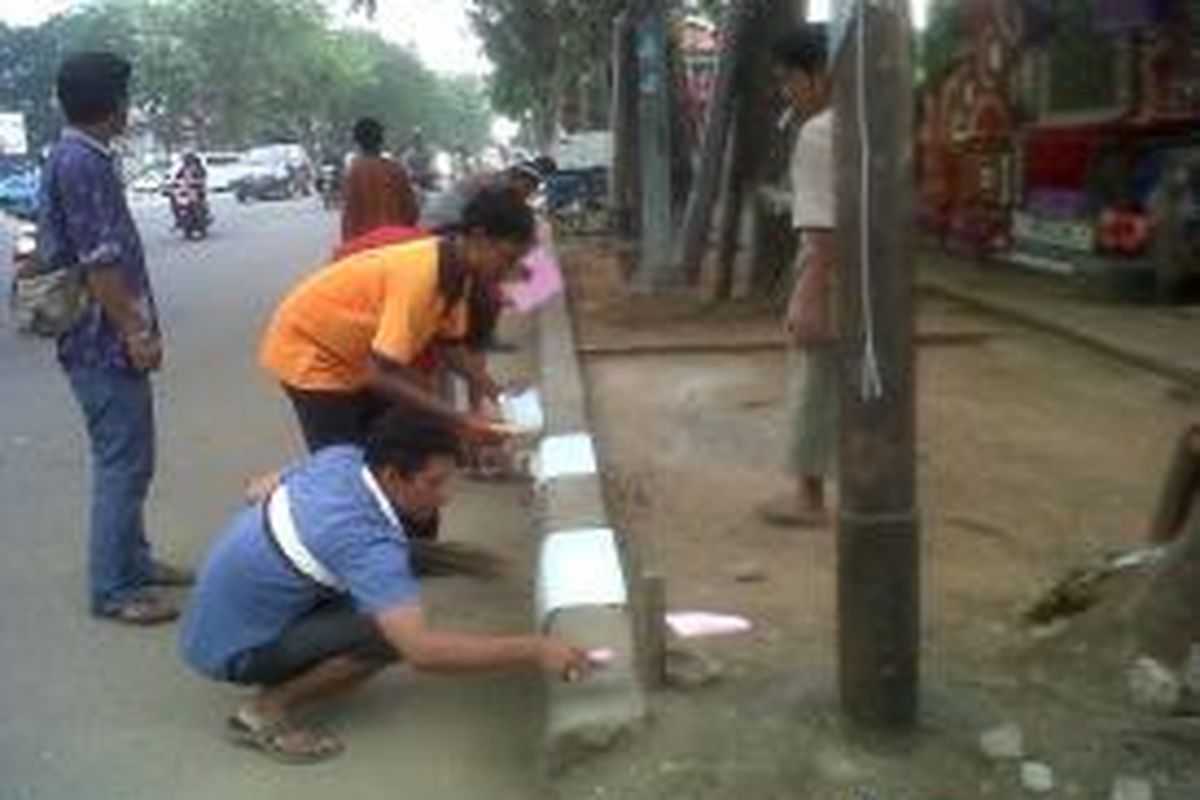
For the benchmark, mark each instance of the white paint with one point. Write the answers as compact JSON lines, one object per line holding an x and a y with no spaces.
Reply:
{"x":693,"y":624}
{"x":579,"y":568}
{"x":565,"y":456}
{"x":524,"y":411}
{"x":1002,"y":743}
{"x":1037,"y":777}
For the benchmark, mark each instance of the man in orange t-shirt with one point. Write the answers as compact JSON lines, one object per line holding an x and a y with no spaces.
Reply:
{"x":377,"y":190}
{"x":343,"y":342}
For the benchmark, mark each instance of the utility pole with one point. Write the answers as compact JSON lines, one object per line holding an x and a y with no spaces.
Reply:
{"x":878,"y":531}
{"x":655,"y":270}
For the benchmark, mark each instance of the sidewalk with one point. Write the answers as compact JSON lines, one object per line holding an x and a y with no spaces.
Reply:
{"x":1162,"y":339}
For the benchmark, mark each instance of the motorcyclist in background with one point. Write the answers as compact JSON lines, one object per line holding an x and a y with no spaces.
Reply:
{"x":189,"y":184}
{"x":417,"y":160}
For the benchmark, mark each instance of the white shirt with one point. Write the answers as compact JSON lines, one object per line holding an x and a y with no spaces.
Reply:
{"x":812,"y":174}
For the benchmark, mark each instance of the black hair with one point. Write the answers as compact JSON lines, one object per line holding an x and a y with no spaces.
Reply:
{"x":545,"y":165}
{"x":406,"y":440}
{"x":804,"y":48}
{"x":499,"y":213}
{"x":92,"y":86}
{"x":368,"y":134}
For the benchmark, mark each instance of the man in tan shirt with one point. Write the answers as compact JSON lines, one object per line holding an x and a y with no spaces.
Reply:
{"x":377,"y":191}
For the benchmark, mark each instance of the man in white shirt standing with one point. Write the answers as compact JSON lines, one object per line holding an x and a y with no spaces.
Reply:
{"x":801,"y":58}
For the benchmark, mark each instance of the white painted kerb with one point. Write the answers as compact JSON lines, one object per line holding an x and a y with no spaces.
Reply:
{"x":579,"y":567}
{"x":564,"y":456}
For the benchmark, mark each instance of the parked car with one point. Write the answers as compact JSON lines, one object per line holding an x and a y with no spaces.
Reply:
{"x":151,"y":180}
{"x":275,"y":172}
{"x":225,"y":170}
{"x":19,"y":181}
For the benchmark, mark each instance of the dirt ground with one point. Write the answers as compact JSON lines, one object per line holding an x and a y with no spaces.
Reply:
{"x":1035,"y":456}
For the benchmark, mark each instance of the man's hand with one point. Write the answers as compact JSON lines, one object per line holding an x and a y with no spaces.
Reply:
{"x":260,"y":487}
{"x":810,"y":314}
{"x":564,"y":661}
{"x":145,"y":351}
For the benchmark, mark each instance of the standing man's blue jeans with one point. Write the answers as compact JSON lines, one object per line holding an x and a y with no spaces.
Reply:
{"x":118,"y":407}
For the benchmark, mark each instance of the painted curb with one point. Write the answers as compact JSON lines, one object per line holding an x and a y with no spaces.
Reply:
{"x":583,"y":584}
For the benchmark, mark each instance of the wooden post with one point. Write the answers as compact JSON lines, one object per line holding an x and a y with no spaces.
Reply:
{"x":654,"y":629}
{"x":878,"y":547}
{"x":654,"y":145}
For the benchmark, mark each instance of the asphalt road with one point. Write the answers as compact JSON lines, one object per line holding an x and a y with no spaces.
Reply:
{"x":93,"y":710}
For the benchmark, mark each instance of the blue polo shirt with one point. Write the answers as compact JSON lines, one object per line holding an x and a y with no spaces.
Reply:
{"x":246,"y":594}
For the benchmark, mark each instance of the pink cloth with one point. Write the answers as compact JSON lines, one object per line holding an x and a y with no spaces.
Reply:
{"x":544,"y":281}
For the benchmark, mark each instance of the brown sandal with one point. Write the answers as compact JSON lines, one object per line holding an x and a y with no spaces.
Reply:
{"x":271,"y":740}
{"x":143,"y":610}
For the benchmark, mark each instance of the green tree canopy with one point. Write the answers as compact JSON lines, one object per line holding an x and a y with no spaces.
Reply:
{"x":229,"y":73}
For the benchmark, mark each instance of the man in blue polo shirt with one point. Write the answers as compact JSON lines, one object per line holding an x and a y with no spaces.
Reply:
{"x":311,"y":592}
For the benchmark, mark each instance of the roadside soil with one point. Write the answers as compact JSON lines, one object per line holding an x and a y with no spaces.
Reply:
{"x":1035,"y":456}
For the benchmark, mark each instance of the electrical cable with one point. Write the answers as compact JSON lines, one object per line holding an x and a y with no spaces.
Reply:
{"x":870,"y":373}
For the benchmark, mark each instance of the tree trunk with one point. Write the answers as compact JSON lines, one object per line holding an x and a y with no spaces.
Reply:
{"x":624,"y":125}
{"x":697,"y":218}
{"x":761,"y":154}
{"x":655,"y":270}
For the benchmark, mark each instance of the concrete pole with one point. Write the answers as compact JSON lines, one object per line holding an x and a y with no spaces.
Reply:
{"x":655,"y":270}
{"x":878,"y":532}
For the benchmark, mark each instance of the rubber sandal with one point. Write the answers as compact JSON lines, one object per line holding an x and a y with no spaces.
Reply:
{"x":267,"y":740}
{"x":142,"y":611}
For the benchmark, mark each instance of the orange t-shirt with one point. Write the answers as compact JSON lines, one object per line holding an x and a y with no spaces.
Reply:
{"x":382,"y":301}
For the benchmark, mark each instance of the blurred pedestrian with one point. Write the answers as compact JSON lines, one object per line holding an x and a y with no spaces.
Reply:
{"x":377,"y":191}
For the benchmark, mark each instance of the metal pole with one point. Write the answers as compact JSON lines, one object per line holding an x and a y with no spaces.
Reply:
{"x":878,"y":532}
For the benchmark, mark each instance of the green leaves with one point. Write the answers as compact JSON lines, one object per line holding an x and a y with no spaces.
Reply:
{"x":229,"y":73}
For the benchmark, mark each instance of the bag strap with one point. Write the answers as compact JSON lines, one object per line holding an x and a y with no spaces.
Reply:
{"x":280,"y":526}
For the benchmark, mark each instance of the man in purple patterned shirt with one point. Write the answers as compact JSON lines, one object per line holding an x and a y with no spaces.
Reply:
{"x":85,"y":224}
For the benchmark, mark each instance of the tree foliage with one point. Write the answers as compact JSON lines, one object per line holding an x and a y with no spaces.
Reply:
{"x":541,"y":49}
{"x":228,"y":73}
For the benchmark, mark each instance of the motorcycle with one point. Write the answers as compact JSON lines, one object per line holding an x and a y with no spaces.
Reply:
{"x":329,"y":186}
{"x":192,"y":217}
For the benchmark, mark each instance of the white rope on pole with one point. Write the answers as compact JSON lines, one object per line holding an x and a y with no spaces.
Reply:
{"x":870,"y":374}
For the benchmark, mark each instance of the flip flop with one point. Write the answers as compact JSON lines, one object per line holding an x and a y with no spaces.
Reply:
{"x":268,"y":739}
{"x":143,"y":610}
{"x":786,"y":515}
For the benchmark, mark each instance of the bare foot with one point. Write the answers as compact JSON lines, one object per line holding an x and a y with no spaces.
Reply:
{"x":787,"y":512}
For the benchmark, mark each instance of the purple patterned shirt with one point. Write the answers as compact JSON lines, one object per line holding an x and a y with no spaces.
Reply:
{"x":85,"y":222}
